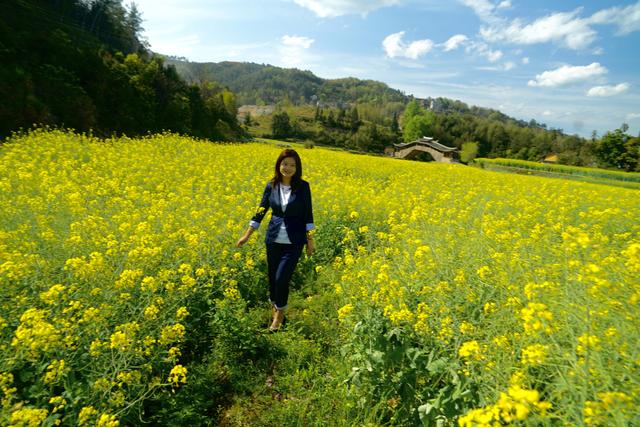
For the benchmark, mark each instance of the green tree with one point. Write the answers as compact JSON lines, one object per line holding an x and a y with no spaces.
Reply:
{"x":469,"y":151}
{"x":354,"y":120}
{"x":368,"y":138}
{"x":499,"y":139}
{"x":617,"y":149}
{"x":247,"y":119}
{"x":395,"y":127}
{"x":412,"y":109}
{"x":632,"y":156}
{"x":331,"y":121}
{"x":281,"y":125}
{"x":419,"y":126}
{"x":341,"y":118}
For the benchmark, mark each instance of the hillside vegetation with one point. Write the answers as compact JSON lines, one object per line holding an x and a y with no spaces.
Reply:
{"x":625,"y":179}
{"x":267,"y":84}
{"x":383,"y":111}
{"x":80,"y":64}
{"x":439,"y":294}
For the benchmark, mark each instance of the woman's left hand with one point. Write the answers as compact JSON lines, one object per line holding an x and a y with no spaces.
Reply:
{"x":310,"y":248}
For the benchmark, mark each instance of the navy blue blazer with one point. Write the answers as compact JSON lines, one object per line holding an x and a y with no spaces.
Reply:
{"x":297,"y":217}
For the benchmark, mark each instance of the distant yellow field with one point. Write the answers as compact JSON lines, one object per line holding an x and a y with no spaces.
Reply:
{"x":463,"y":295}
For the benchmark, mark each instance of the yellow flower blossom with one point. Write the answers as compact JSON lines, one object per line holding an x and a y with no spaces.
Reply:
{"x":107,"y":420}
{"x":471,"y":350}
{"x":344,"y":312}
{"x":35,"y":334}
{"x":51,"y":296}
{"x":55,"y":371}
{"x":28,"y":417}
{"x":172,"y":333}
{"x":534,"y":354}
{"x":86,"y":415}
{"x":536,"y":318}
{"x":181,"y":313}
{"x":178,"y":375}
{"x":151,"y":312}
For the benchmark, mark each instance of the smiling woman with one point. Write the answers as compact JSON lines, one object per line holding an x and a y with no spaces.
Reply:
{"x":290,"y":228}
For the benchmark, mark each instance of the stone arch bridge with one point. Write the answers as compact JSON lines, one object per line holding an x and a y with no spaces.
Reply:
{"x":440,"y":153}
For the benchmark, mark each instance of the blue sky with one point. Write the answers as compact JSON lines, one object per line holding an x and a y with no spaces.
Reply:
{"x":573,"y":65}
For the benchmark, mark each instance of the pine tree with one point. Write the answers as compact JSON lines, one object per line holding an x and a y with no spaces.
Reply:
{"x":354,"y":120}
{"x":331,"y":121}
{"x":281,"y":125}
{"x":395,"y":128}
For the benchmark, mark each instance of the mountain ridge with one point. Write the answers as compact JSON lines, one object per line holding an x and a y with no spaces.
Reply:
{"x":248,"y":80}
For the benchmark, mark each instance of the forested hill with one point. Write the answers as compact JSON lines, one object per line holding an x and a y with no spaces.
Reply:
{"x":82,"y":65}
{"x":266,"y":84}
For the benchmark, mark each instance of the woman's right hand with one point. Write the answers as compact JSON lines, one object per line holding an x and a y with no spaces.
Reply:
{"x":242,"y":240}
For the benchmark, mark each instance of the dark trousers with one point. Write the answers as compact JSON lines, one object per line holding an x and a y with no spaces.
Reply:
{"x":282,"y":260}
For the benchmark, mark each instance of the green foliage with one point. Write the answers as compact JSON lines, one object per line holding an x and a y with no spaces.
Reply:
{"x":247,"y":119}
{"x":469,"y":151}
{"x":413,"y":109}
{"x":354,"y":120}
{"x":280,"y":125}
{"x":627,"y":179}
{"x":419,"y":383}
{"x":266,"y":84}
{"x":368,"y":138}
{"x":619,"y":150}
{"x":418,"y":126}
{"x":81,"y":65}
{"x":451,"y":122}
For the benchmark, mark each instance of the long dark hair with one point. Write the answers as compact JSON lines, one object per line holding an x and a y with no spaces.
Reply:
{"x":297,"y":177}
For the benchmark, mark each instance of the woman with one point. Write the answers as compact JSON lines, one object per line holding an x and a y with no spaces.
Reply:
{"x":289,"y":198}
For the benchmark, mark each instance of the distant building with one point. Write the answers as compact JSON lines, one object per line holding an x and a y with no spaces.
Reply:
{"x":255,"y":110}
{"x":439,"y":152}
{"x":551,"y":158}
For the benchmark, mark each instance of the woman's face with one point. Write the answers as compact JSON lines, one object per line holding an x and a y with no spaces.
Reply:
{"x":288,"y":167}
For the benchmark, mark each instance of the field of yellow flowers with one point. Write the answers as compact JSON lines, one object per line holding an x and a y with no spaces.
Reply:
{"x":439,"y":294}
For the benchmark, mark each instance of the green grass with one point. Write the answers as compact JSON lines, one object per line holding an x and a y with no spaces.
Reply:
{"x":592,"y":175}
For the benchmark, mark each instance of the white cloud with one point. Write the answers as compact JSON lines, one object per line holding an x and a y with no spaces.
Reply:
{"x":293,"y":50}
{"x":608,"y":90}
{"x":564,"y":28}
{"x":333,"y":8}
{"x":626,"y":18}
{"x":568,"y":74}
{"x":525,"y":60}
{"x":547,"y":113}
{"x":483,"y":49}
{"x":454,"y":42}
{"x":506,"y":4}
{"x":483,"y":8}
{"x":507,"y":66}
{"x":418,"y":48}
{"x":633,"y":116}
{"x":179,"y":45}
{"x":493,"y":55}
{"x":395,"y":47}
{"x":297,"y":41}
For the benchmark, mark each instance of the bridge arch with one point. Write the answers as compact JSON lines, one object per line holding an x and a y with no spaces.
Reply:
{"x":440,"y":153}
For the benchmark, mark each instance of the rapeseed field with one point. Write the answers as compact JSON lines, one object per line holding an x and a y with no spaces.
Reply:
{"x":448,"y":295}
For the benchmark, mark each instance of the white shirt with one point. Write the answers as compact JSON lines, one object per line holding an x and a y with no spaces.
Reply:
{"x":285,"y":192}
